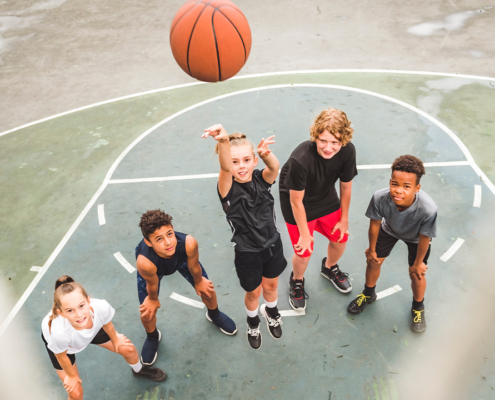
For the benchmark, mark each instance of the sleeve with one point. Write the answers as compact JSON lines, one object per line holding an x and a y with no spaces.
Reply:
{"x":373,"y":211}
{"x":429,"y":226}
{"x":349,"y":168}
{"x":229,"y":194}
{"x":105,"y":312}
{"x":259,"y":175}
{"x":296,"y":176}
{"x":59,"y":342}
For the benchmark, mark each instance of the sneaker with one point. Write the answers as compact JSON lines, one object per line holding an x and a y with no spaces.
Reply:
{"x":254,"y":336}
{"x":151,"y":373}
{"x":297,"y":294}
{"x":419,"y":321}
{"x":339,"y":279}
{"x":357,"y":305}
{"x":224,"y":323}
{"x":150,"y":350}
{"x":274,"y":325}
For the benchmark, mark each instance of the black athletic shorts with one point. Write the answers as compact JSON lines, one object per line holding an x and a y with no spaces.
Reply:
{"x":251,"y":267}
{"x":386,"y":243}
{"x":100,"y":338}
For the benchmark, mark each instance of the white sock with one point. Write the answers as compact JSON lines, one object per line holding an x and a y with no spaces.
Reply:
{"x":271,"y":304}
{"x":252,"y":314}
{"x":137,"y":367}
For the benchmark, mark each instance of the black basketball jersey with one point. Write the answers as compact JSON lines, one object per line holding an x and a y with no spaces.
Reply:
{"x":251,"y":214}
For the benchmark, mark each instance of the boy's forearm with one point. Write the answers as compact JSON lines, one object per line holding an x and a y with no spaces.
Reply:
{"x":301,"y":219}
{"x":424,"y":243}
{"x":196,"y":272}
{"x":345,"y":202}
{"x":373,"y":233}
{"x":152,"y":289}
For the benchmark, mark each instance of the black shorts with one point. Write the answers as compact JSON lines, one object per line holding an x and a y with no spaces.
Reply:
{"x":386,"y":243}
{"x":100,"y":338}
{"x":251,"y":267}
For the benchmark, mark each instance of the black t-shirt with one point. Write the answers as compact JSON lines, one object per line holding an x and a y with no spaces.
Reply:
{"x":250,"y":212}
{"x":307,"y":170}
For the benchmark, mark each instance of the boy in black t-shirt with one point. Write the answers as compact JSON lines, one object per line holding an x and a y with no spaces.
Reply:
{"x":310,"y":202}
{"x":248,"y":204}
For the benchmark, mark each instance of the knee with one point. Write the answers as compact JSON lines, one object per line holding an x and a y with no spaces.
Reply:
{"x":77,"y":393}
{"x":255,"y":294}
{"x":270,"y":287}
{"x":127,"y":350}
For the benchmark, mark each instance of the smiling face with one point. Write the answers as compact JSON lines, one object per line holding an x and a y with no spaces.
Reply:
{"x":327,"y":145}
{"x":77,"y":309}
{"x":243,"y":162}
{"x":163,"y":241}
{"x":403,"y":188}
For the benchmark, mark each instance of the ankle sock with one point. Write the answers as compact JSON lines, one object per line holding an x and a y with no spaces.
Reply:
{"x":369,"y":291}
{"x":137,"y":367}
{"x":153,"y":335}
{"x":271,"y":308}
{"x":253,"y":321}
{"x":213,"y":313}
{"x":418,"y":305}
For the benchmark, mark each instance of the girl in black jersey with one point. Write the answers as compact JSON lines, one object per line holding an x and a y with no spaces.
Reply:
{"x":249,"y":206}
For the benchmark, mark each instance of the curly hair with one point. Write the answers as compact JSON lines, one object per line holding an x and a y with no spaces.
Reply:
{"x":409,"y":164}
{"x":152,"y":220}
{"x":334,"y":121}
{"x":237,"y":140}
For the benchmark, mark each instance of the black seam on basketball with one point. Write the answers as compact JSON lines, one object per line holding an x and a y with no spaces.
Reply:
{"x":190,"y":37}
{"x":216,"y":45}
{"x":240,"y":36}
{"x":180,"y":19}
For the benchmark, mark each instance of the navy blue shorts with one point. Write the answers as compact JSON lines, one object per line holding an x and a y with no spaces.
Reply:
{"x":183,"y":270}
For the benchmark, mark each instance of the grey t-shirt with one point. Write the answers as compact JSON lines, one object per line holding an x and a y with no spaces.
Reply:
{"x":406,"y":225}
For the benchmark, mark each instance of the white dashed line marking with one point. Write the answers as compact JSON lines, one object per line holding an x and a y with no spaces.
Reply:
{"x":120,"y":258}
{"x":450,"y":252}
{"x":35,"y":269}
{"x":388,"y":292}
{"x":187,"y":300}
{"x":477,"y":196}
{"x":101,"y":214}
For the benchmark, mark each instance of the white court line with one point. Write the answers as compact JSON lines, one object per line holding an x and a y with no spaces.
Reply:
{"x":477,"y":196}
{"x":292,"y":313}
{"x":247,"y":76}
{"x":187,"y":300}
{"x":114,"y":166}
{"x":450,"y":252}
{"x":101,"y":214}
{"x":120,"y":258}
{"x":35,"y":269}
{"x":203,"y":176}
{"x":388,"y":292}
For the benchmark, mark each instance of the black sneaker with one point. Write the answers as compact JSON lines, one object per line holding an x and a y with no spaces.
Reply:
{"x":150,"y":350}
{"x":339,"y":279}
{"x":357,"y":305}
{"x":274,"y":325}
{"x":254,"y":335}
{"x":151,"y":373}
{"x":419,"y":321}
{"x":297,"y":294}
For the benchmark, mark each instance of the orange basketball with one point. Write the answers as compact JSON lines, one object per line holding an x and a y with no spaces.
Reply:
{"x":210,"y":39}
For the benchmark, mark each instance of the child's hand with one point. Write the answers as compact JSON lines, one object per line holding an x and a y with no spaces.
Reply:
{"x":263,"y":150}
{"x":343,"y":227}
{"x":418,"y":269}
{"x":205,"y":287}
{"x":371,"y":256}
{"x":303,"y":244}
{"x":70,"y":383}
{"x":216,"y":132}
{"x":148,"y":308}
{"x":121,"y":341}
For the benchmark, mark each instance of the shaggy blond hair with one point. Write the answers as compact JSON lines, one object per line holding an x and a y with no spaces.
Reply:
{"x":334,"y":121}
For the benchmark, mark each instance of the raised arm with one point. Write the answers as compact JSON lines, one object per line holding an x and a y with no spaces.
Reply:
{"x":272,"y":165}
{"x":218,"y":133}
{"x":151,"y":303}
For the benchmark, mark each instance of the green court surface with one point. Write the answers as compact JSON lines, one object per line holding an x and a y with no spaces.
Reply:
{"x":76,"y":185}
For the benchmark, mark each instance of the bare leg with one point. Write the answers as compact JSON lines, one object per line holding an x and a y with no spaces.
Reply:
{"x":334,"y":252}
{"x":210,"y":302}
{"x":299,"y":265}
{"x":77,"y":393}
{"x":418,"y":287}
{"x":270,"y":289}
{"x":251,"y":300}
{"x":149,"y":325}
{"x":129,"y":352}
{"x":373,"y":272}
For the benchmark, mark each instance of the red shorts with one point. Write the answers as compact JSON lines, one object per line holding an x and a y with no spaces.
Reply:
{"x":323,"y":225}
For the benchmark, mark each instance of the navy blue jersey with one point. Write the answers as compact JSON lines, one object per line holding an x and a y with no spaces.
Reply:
{"x":165,"y":266}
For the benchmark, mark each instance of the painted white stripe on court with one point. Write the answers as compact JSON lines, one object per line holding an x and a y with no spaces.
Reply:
{"x":187,"y":300}
{"x":35,"y":269}
{"x":388,"y":292}
{"x":450,"y":252}
{"x":101,"y":214}
{"x":477,"y":196}
{"x":203,"y":176}
{"x":292,"y":313}
{"x":120,"y":258}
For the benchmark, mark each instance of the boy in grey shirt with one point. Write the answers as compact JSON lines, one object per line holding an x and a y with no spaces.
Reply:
{"x":403,"y":212}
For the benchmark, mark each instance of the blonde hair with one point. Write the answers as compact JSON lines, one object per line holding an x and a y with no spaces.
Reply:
{"x":64,"y":285}
{"x":334,"y":121}
{"x":238,"y":140}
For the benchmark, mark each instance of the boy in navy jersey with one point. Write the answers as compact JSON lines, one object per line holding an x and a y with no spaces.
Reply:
{"x":162,"y":252}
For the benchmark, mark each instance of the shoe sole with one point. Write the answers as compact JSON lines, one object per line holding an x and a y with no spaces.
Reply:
{"x":359,"y":312}
{"x":293,"y":305}
{"x":336,"y":287}
{"x":263,"y":313}
{"x":261,"y":341}
{"x":221,"y":330}
{"x":415,"y":331}
{"x":156,"y":354}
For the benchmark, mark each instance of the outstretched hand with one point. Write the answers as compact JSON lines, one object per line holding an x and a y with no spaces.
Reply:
{"x":263,"y":150}
{"x":217,"y":132}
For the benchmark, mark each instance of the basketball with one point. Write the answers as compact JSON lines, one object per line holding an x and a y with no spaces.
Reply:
{"x":210,"y":40}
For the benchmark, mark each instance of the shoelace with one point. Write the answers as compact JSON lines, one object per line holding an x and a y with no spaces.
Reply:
{"x":360,"y":298}
{"x":299,"y":291}
{"x":341,"y":276}
{"x":254,"y":331}
{"x":274,"y":321}
{"x":417,"y":318}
